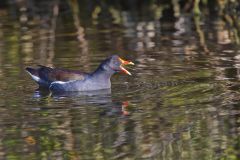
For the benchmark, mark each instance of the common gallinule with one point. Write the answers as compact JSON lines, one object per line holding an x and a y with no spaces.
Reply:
{"x":57,"y":79}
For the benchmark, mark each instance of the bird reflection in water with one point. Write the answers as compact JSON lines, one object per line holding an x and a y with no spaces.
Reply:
{"x":102,"y":98}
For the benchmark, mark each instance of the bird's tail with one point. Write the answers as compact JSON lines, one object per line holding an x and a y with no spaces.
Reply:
{"x":34,"y":74}
{"x":32,"y":71}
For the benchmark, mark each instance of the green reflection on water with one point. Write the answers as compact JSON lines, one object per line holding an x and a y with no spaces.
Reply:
{"x":182,"y":98}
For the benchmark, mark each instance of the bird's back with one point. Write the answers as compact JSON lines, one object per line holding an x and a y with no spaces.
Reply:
{"x":44,"y":76}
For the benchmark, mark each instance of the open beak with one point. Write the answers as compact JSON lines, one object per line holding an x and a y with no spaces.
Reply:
{"x":125,"y":63}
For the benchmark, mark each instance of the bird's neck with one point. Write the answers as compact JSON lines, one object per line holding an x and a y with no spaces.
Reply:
{"x":101,"y":75}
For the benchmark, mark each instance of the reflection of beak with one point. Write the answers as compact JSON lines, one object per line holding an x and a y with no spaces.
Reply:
{"x":124,"y":108}
{"x":125,"y":63}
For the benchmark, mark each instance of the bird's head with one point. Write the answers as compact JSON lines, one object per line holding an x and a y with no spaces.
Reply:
{"x":116,"y":64}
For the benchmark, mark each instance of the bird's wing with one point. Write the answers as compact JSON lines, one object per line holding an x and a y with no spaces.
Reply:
{"x":49,"y":74}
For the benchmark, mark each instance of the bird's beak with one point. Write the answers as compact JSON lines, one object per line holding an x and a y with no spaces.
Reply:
{"x":124,"y":62}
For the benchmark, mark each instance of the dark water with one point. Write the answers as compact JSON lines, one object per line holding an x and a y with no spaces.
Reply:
{"x":182,"y":101}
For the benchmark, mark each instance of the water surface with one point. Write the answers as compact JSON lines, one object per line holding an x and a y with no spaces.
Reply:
{"x":182,"y":101}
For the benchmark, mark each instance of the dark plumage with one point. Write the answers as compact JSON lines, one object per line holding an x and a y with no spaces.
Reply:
{"x":57,"y":79}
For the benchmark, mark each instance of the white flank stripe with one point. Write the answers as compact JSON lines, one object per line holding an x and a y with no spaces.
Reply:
{"x":35,"y":78}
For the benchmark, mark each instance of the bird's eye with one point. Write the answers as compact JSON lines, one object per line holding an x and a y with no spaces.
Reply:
{"x":116,"y":63}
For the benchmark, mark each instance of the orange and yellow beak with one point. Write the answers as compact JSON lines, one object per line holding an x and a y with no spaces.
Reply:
{"x":125,"y":63}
